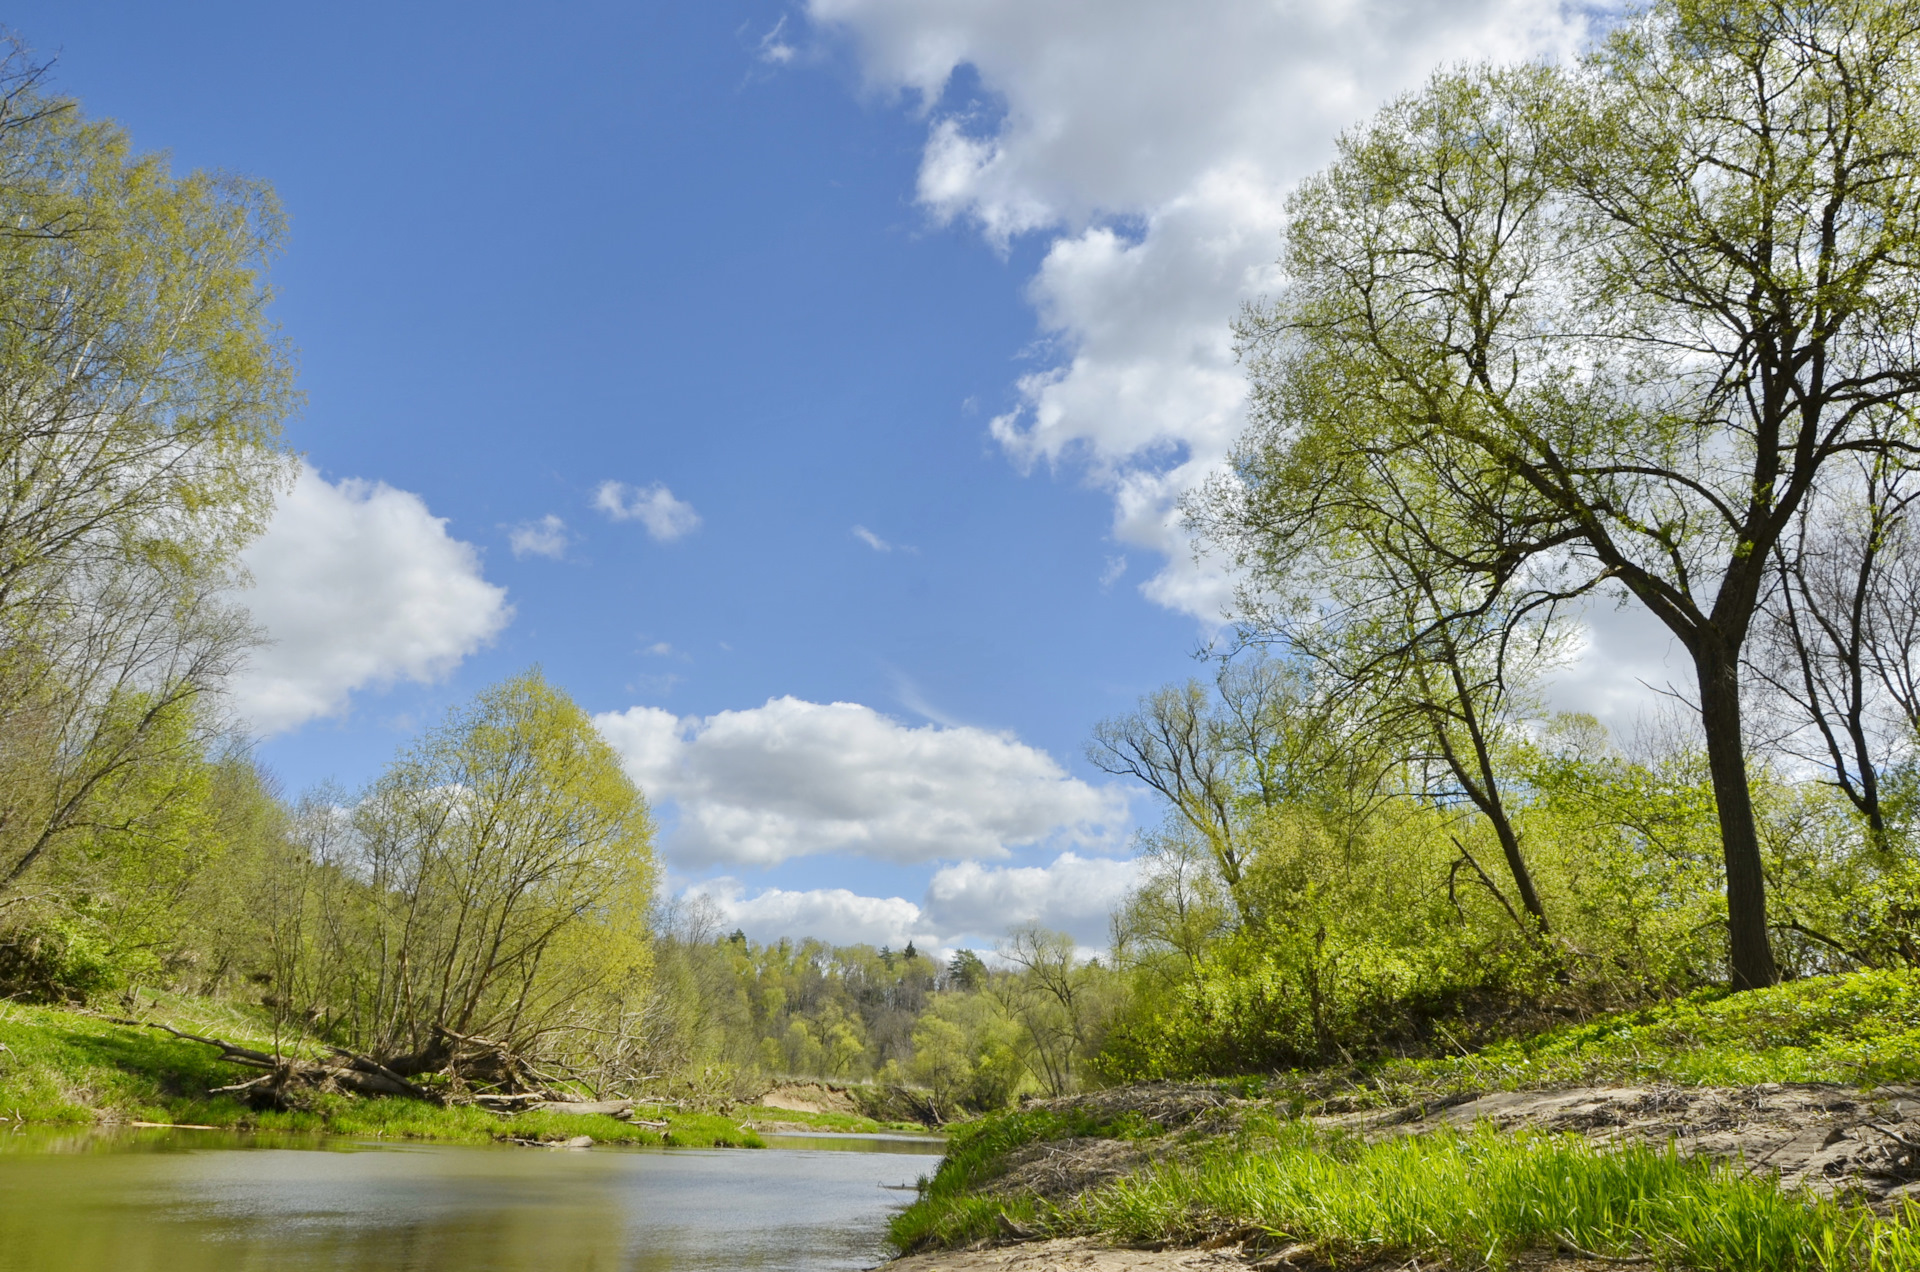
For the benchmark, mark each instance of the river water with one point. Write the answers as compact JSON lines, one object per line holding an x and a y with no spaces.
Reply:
{"x":183,"y":1201}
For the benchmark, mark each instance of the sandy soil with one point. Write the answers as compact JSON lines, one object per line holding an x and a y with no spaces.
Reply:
{"x":1824,"y":1137}
{"x":808,"y":1097}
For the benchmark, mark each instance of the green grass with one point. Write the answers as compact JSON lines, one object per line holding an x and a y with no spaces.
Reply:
{"x":1861,"y":1029}
{"x":1480,"y":1198}
{"x":948,"y":1213}
{"x":64,"y":1067}
{"x":1476,"y":1199}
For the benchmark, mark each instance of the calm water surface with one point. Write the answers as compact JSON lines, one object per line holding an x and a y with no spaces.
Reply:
{"x":181,"y":1201}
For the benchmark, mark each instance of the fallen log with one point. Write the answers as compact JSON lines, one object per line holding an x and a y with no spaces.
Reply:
{"x":349,"y":1071}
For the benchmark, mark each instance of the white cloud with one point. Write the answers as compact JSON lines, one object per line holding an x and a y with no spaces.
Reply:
{"x":795,"y":778}
{"x":1628,"y":665}
{"x":665,"y":517}
{"x":965,"y":904}
{"x":357,"y":586}
{"x":833,"y":915}
{"x":1074,"y":894}
{"x":546,"y":537}
{"x":1156,"y":142}
{"x":871,"y":539}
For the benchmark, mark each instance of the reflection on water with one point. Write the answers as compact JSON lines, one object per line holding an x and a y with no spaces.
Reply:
{"x":166,"y":1201}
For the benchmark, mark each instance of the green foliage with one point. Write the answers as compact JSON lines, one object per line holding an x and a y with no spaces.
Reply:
{"x":962,"y":1039}
{"x":967,"y":1053}
{"x":1363,"y":926}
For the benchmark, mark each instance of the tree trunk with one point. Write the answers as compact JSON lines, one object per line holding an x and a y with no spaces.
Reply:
{"x":1517,"y":865}
{"x":1749,"y":948}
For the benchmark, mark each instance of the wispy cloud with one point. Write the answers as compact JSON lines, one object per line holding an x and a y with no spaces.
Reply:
{"x":871,"y":539}
{"x":665,"y":517}
{"x":546,"y":537}
{"x":774,"y":49}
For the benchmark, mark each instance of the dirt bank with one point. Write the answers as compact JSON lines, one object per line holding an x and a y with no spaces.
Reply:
{"x":1077,"y":1255}
{"x":1828,"y":1138}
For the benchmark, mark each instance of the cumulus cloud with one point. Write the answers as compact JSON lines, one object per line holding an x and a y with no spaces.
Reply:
{"x":546,"y":537}
{"x":834,"y":915}
{"x":357,"y":585}
{"x":1155,"y":142}
{"x":965,"y":904}
{"x":794,"y":778}
{"x":665,"y":517}
{"x":1074,"y":894}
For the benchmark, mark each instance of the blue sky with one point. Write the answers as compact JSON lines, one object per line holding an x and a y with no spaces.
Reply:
{"x":899,"y":324}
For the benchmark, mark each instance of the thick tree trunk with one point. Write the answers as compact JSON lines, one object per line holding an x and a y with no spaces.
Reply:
{"x":1749,"y":947}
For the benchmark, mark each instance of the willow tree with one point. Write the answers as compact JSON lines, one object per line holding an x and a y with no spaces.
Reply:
{"x":1632,"y":311}
{"x":506,"y":872}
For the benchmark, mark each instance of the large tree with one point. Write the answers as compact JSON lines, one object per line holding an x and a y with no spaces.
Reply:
{"x":1634,"y":310}
{"x":142,"y":389}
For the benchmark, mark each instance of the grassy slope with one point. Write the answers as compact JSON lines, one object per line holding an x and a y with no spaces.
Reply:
{"x":66,"y":1067}
{"x":1478,"y":1198}
{"x":1859,"y":1030}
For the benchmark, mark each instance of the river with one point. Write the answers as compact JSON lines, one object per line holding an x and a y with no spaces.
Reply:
{"x":187,"y":1201}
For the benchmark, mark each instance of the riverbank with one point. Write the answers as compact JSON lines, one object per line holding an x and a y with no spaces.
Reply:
{"x":67,"y":1067}
{"x":1619,"y":1139}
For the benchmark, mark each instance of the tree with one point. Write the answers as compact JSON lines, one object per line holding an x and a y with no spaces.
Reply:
{"x":1839,"y":639}
{"x":506,"y":871}
{"x":141,"y":386}
{"x":1061,"y":1003}
{"x":1435,"y":661}
{"x":1637,"y":309}
{"x":141,"y":394}
{"x":1260,"y":739}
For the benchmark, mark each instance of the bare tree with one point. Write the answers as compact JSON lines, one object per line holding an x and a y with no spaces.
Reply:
{"x":1839,"y":640}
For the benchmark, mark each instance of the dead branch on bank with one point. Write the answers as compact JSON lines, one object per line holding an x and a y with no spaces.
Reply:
{"x":507,"y":1081}
{"x":345,"y":1071}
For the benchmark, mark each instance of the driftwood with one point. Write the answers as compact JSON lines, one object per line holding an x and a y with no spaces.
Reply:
{"x":346,"y":1071}
{"x":461,"y":1059}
